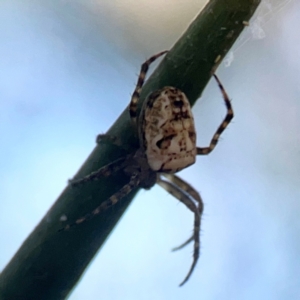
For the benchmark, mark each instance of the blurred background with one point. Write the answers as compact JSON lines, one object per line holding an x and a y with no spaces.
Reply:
{"x":67,"y":69}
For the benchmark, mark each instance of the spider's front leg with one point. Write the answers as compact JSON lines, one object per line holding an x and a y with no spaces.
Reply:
{"x":141,"y":79}
{"x":110,"y":168}
{"x":112,"y":200}
{"x":224,"y":124}
{"x":109,"y":139}
{"x":104,"y":171}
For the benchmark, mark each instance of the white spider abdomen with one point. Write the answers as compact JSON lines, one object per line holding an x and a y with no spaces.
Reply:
{"x":168,"y":131}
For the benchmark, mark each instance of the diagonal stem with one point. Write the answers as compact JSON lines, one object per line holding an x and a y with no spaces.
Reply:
{"x":48,"y":264}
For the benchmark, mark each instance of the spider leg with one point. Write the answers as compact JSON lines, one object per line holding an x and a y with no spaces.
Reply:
{"x":176,"y":192}
{"x":116,"y":141}
{"x":112,"y":140}
{"x":141,"y":79}
{"x":102,"y":172}
{"x":183,"y":244}
{"x":191,"y":191}
{"x":112,"y":200}
{"x":224,"y":124}
{"x":186,"y":187}
{"x":108,"y":139}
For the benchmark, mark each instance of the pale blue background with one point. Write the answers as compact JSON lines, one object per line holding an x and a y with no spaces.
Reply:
{"x":67,"y":69}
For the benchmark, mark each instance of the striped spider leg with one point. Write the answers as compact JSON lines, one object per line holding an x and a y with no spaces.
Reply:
{"x":184,"y":192}
{"x":167,"y":144}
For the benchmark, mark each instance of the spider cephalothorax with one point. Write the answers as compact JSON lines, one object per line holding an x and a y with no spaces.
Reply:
{"x":167,"y":139}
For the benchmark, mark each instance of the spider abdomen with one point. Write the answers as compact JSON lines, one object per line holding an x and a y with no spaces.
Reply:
{"x":168,"y":132}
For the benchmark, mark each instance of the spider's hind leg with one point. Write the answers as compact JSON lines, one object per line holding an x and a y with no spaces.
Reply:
{"x":177,"y":192}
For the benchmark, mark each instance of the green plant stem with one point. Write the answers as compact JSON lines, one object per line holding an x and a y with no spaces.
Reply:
{"x":49,"y":263}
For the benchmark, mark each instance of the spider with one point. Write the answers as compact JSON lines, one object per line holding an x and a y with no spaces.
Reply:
{"x":167,"y":144}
